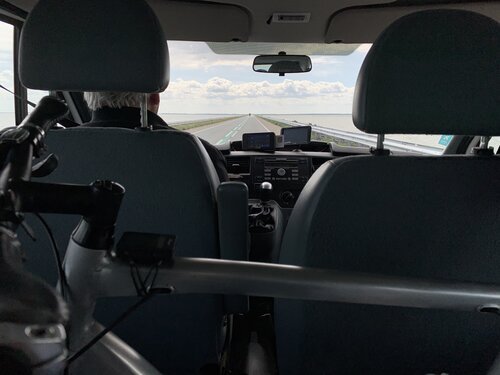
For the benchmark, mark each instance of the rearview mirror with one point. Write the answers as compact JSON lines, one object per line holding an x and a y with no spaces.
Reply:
{"x":282,"y":64}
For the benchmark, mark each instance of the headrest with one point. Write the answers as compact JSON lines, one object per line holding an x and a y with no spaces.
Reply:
{"x":432,"y":72}
{"x":93,"y":45}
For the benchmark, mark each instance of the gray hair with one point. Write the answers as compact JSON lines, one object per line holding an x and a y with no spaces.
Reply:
{"x":97,"y":100}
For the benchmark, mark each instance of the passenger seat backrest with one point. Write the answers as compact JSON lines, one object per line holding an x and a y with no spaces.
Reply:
{"x":170,"y":189}
{"x":431,"y":218}
{"x":170,"y":182}
{"x":408,"y":216}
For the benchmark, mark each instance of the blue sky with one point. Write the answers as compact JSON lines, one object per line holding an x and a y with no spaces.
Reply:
{"x":195,"y":60}
{"x":204,"y":82}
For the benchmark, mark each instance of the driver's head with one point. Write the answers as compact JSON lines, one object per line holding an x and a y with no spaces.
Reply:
{"x":98,"y":100}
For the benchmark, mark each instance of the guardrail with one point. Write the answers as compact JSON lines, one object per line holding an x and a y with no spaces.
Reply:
{"x":366,"y":139}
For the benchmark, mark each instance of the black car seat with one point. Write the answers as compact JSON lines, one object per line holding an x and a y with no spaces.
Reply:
{"x":431,"y":217}
{"x":171,"y":184}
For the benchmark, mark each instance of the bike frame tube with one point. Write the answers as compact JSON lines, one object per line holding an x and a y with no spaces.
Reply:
{"x":94,"y":274}
{"x":111,"y":356}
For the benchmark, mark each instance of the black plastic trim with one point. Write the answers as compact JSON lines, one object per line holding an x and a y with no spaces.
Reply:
{"x":14,"y":10}
{"x":21,"y":98}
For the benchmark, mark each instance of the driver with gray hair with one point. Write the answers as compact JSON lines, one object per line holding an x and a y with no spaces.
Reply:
{"x":122,"y":110}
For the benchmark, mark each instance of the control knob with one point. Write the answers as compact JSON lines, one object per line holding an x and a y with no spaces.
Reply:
{"x":281,"y":172}
{"x":287,"y":197}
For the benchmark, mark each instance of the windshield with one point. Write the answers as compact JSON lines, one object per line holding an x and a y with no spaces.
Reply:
{"x":219,"y":97}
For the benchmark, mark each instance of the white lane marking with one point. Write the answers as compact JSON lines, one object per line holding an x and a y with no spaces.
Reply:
{"x":211,"y":127}
{"x":264,"y":126}
{"x":232,"y":132}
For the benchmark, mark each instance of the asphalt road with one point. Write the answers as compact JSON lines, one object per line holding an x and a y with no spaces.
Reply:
{"x":232,"y":130}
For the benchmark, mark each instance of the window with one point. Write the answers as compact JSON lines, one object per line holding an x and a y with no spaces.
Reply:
{"x":34,"y":96}
{"x":7,"y":71}
{"x":7,"y":103}
{"x":215,"y":94}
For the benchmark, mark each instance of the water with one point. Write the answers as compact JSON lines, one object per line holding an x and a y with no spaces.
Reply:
{"x":344,"y":122}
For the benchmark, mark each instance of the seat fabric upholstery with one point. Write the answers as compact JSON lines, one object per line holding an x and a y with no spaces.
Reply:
{"x":425,"y":217}
{"x":170,"y":188}
{"x":85,"y":48}
{"x":419,"y":76}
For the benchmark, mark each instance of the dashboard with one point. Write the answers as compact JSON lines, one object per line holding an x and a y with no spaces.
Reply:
{"x":287,"y":171}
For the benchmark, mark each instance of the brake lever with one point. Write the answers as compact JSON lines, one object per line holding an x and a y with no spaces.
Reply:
{"x":45,"y":167}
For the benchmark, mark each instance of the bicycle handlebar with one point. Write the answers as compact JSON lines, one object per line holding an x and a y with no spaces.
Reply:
{"x":19,"y":145}
{"x":27,"y":304}
{"x":26,"y":301}
{"x":47,"y":113}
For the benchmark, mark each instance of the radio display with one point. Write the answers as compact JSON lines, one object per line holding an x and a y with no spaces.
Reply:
{"x":281,"y":170}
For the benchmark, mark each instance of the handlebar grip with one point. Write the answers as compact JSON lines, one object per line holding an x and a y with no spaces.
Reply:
{"x":47,"y":113}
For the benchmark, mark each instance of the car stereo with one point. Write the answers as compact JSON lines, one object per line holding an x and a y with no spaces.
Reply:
{"x":296,"y":135}
{"x":258,"y":141}
{"x":287,"y":174}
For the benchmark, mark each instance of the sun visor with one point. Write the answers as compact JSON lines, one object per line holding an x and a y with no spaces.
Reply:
{"x":93,"y":45}
{"x":255,"y":48}
{"x":200,"y":21}
{"x":364,"y":24}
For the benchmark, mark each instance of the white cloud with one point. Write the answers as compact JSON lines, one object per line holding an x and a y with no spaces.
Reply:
{"x":217,"y":87}
{"x":220,"y":95}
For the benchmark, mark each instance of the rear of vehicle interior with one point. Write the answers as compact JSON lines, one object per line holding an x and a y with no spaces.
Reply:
{"x":433,"y":68}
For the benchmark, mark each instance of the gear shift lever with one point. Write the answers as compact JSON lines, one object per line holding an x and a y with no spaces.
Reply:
{"x":266,"y":191}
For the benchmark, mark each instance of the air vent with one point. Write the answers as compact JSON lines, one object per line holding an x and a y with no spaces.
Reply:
{"x":238,"y":165}
{"x":291,"y":17}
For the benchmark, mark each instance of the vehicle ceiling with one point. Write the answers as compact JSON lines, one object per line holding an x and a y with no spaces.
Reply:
{"x":345,"y":21}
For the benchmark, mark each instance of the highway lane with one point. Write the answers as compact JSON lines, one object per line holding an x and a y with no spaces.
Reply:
{"x":232,"y":130}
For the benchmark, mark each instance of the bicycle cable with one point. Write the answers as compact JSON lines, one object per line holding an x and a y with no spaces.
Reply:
{"x":146,"y":292}
{"x":57,"y":255}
